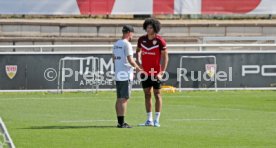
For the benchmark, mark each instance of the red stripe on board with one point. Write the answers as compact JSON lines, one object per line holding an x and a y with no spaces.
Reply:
{"x":163,"y":6}
{"x":95,"y":6}
{"x":228,"y":6}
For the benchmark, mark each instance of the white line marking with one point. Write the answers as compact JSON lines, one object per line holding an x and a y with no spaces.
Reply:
{"x":73,"y":98}
{"x":88,"y":97}
{"x":137,"y":89}
{"x":201,"y":119}
{"x":85,"y":121}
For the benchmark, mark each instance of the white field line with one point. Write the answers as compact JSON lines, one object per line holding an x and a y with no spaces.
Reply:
{"x":202,"y":119}
{"x":86,"y":98}
{"x":113,"y":97}
{"x":86,"y":121}
{"x":91,"y":97}
{"x":176,"y":120}
{"x":76,"y":98}
{"x":170,"y":105}
{"x":140,"y":89}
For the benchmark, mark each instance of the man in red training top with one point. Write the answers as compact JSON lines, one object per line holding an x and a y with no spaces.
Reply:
{"x":153,"y":54}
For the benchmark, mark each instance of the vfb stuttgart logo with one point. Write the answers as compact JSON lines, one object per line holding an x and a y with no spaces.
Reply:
{"x":11,"y":71}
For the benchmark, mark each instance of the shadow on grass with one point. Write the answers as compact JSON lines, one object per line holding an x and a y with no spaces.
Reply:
{"x":66,"y":127}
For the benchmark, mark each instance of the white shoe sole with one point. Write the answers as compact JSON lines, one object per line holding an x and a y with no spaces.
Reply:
{"x":144,"y":125}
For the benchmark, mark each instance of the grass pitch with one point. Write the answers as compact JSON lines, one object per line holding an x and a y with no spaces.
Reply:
{"x":189,"y":119}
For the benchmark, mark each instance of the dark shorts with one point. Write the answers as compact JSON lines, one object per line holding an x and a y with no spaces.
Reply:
{"x":151,"y":83}
{"x":123,"y":89}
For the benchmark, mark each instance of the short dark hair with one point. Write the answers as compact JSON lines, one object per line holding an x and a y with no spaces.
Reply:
{"x":154,"y":23}
{"x":127,"y":29}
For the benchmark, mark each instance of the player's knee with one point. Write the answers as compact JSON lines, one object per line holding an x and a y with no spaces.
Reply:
{"x":122,"y":101}
{"x":147,"y":95}
{"x":157,"y":95}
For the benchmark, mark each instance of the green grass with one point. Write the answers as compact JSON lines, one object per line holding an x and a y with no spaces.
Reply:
{"x":189,"y":119}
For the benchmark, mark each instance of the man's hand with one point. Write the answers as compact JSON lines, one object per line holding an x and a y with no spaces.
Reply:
{"x":138,"y":69}
{"x":160,"y":75}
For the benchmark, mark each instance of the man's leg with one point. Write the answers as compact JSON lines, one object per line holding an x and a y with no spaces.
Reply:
{"x":147,"y":92}
{"x":121,"y":107}
{"x":147,"y":87}
{"x":148,"y":105}
{"x":123,"y":93}
{"x":158,"y":103}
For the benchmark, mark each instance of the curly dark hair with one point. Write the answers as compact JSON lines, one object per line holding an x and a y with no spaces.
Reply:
{"x":154,"y":23}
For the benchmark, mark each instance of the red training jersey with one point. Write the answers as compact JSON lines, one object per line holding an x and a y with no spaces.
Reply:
{"x":151,"y":53}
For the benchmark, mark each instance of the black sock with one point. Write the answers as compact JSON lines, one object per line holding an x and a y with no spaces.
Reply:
{"x":121,"y":120}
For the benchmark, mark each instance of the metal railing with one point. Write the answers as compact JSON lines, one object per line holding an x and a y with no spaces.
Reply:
{"x":199,"y":46}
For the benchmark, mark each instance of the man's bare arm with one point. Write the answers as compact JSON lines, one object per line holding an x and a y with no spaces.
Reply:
{"x":165,"y":60}
{"x":133,"y":63}
{"x":138,"y":56}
